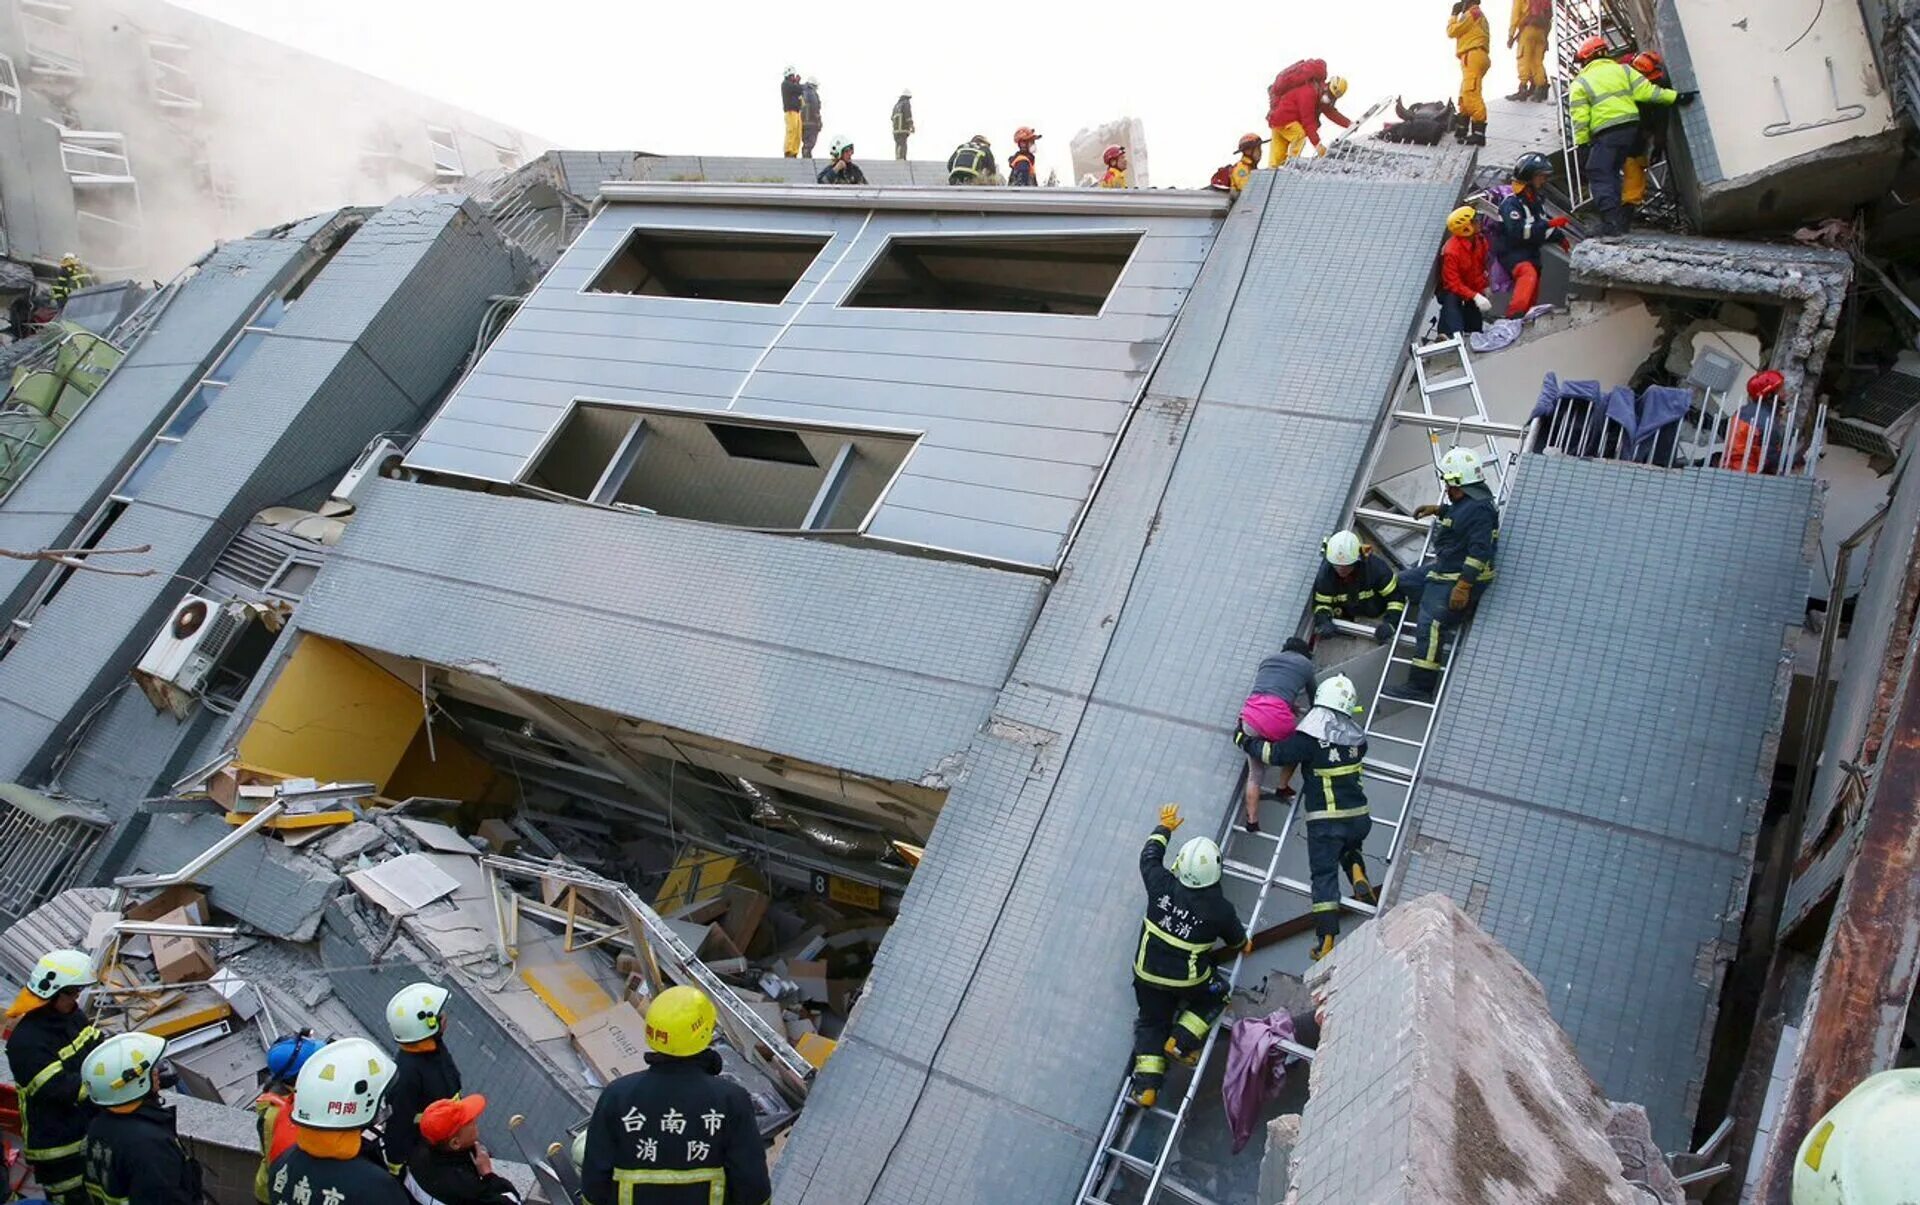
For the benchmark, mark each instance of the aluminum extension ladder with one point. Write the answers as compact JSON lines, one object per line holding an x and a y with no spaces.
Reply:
{"x":1143,"y":1175}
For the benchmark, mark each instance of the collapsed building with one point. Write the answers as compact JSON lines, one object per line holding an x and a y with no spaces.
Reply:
{"x":644,"y":570}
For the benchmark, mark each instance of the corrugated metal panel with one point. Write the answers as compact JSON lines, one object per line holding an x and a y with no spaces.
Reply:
{"x":1022,"y":396}
{"x":60,"y":923}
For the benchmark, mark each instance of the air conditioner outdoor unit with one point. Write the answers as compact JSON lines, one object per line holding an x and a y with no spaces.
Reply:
{"x":178,"y":662}
{"x":372,"y":462}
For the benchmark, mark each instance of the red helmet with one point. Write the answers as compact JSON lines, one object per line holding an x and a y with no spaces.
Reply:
{"x":1592,"y":48}
{"x":1764,"y":383}
{"x":1112,"y":154}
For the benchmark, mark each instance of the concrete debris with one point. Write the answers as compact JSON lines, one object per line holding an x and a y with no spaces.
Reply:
{"x":1439,"y":1046}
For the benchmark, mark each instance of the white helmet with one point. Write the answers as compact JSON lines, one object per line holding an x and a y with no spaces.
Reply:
{"x":414,"y":1012}
{"x":907,"y":92}
{"x":1460,"y":466}
{"x":1198,"y":863}
{"x":1342,"y":548}
{"x":119,"y":1070}
{"x":1338,"y":694}
{"x":341,"y":1085}
{"x":58,"y":970}
{"x":1862,"y":1152}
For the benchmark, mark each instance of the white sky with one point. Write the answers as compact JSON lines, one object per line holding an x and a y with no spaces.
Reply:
{"x":646,"y":75}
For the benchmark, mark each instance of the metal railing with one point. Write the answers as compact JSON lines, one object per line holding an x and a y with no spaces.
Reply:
{"x":1780,"y":437}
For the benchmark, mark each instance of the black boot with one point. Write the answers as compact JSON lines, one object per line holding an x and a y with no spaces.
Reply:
{"x":1541,"y":93}
{"x":1476,"y":133}
{"x":1525,"y":93}
{"x":1460,"y":125}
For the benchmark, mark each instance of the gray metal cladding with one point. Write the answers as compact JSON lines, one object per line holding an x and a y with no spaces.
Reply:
{"x":1018,"y":411}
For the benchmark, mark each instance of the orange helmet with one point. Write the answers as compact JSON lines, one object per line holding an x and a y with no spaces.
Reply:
{"x":1113,"y":154}
{"x":1650,"y":64}
{"x":1249,"y":142}
{"x":1592,"y":48}
{"x":1025,"y":134}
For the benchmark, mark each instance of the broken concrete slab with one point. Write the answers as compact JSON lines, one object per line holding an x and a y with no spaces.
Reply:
{"x":1439,"y":1046}
{"x":259,"y":881}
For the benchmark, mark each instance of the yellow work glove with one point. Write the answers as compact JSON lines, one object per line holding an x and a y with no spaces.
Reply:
{"x":1248,"y":947}
{"x":1425,"y":512}
{"x":1170,"y":818}
{"x":1461,"y":596}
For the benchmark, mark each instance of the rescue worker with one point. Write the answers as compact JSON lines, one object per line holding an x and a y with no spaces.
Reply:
{"x":1296,"y":101}
{"x":1467,"y":26}
{"x":1527,"y":29}
{"x":51,"y":1035}
{"x":1466,"y":534}
{"x":1331,"y":746}
{"x":1115,"y":157}
{"x":1524,"y":229}
{"x":810,"y":120}
{"x":1653,"y":131}
{"x":1862,"y":1152}
{"x":1179,"y":990}
{"x":1281,"y":687}
{"x":450,"y":1165}
{"x":423,"y":1070}
{"x":1603,"y":106}
{"x":336,"y":1097}
{"x":1355,"y":583}
{"x":972,"y":162}
{"x":1249,"y":161}
{"x":134,"y":1153}
{"x":791,"y":102}
{"x":1020,"y":172}
{"x":71,"y":280}
{"x":842,"y":169}
{"x":1464,"y":279}
{"x":274,"y":1104}
{"x":1756,"y":433}
{"x":902,"y":122}
{"x":678,"y":1133}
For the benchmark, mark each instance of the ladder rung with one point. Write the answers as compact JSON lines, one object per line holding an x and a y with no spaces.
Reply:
{"x":1433,"y":387}
{"x":1424,"y":350}
{"x":1240,"y":830}
{"x":1376,"y":766}
{"x":1398,"y":740}
{"x":1243,"y":870}
{"x":1466,"y":424}
{"x":1350,"y":904}
{"x":1426,"y":703}
{"x":1369,"y":514}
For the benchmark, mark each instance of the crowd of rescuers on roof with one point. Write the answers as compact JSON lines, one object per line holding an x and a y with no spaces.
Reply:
{"x":349,"y":1122}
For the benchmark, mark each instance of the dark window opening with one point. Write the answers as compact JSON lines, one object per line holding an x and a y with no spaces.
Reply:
{"x":1021,"y":274}
{"x":760,"y":269}
{"x":777,"y":476}
{"x":236,"y":670}
{"x":763,"y":443}
{"x":109,"y":514}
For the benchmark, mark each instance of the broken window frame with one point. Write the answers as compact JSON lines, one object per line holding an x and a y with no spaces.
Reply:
{"x":625,"y":458}
{"x":9,"y":85}
{"x":893,"y":239}
{"x":44,"y":844}
{"x":443,"y":151}
{"x":52,"y":45}
{"x":171,"y":82}
{"x":85,"y":154}
{"x":738,"y":234}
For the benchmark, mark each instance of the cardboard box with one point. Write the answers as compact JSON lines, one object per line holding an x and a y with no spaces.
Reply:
{"x":237,"y":992}
{"x":815,"y":1049}
{"x":812,"y":978}
{"x":612,"y":1041}
{"x":498,"y":834}
{"x":567,"y":988}
{"x":181,"y":896}
{"x":181,"y":959}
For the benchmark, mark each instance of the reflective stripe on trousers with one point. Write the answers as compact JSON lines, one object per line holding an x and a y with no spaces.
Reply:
{"x":715,"y":1178}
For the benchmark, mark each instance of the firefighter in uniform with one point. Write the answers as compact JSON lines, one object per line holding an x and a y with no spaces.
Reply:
{"x":134,"y":1154}
{"x":424,"y":1070}
{"x":1179,"y":991}
{"x":1355,"y":582}
{"x":677,"y":1133}
{"x":275,"y":1102}
{"x":50,"y":1035}
{"x":1465,"y":535}
{"x":1331,"y":747}
{"x":337,"y":1095}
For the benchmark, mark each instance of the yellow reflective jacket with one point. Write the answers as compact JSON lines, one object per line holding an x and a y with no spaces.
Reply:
{"x":1469,"y":31}
{"x":1608,"y":93}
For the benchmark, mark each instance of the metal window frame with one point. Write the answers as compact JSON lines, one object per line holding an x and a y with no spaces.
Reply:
{"x":9,"y":85}
{"x":61,"y":59}
{"x":161,"y":69}
{"x":41,"y":857}
{"x":1140,"y":235}
{"x":109,"y":145}
{"x":451,"y":145}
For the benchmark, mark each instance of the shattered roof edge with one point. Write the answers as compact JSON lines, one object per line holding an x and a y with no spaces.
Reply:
{"x":1067,"y":201}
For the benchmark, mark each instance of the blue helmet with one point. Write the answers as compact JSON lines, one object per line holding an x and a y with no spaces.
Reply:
{"x":289,"y":1054}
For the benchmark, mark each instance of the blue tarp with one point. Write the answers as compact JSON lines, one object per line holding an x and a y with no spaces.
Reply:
{"x":1639,"y":420}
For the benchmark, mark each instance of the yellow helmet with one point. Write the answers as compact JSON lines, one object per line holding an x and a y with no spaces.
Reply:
{"x":680,"y":1021}
{"x":1463,"y":221}
{"x":1337,"y":86}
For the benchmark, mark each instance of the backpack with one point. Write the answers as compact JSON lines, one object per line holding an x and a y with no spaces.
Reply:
{"x":1306,"y":71}
{"x":968,"y":160}
{"x":1539,"y":12}
{"x":1222,"y":179}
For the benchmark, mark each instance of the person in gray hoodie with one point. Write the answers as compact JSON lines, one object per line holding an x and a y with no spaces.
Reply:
{"x":1281,"y":687}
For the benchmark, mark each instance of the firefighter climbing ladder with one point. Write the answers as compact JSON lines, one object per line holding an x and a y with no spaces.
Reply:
{"x":1451,"y":409}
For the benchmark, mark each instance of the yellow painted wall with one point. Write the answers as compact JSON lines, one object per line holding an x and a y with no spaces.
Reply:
{"x":453,"y":772}
{"x":333,"y":715}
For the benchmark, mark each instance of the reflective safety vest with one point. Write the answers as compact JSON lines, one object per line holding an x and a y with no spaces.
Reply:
{"x":1608,"y":93}
{"x":969,"y":161}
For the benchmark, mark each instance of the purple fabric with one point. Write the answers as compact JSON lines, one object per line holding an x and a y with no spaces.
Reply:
{"x":1256,"y":1068}
{"x":1268,"y":717}
{"x":1499,"y":280}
